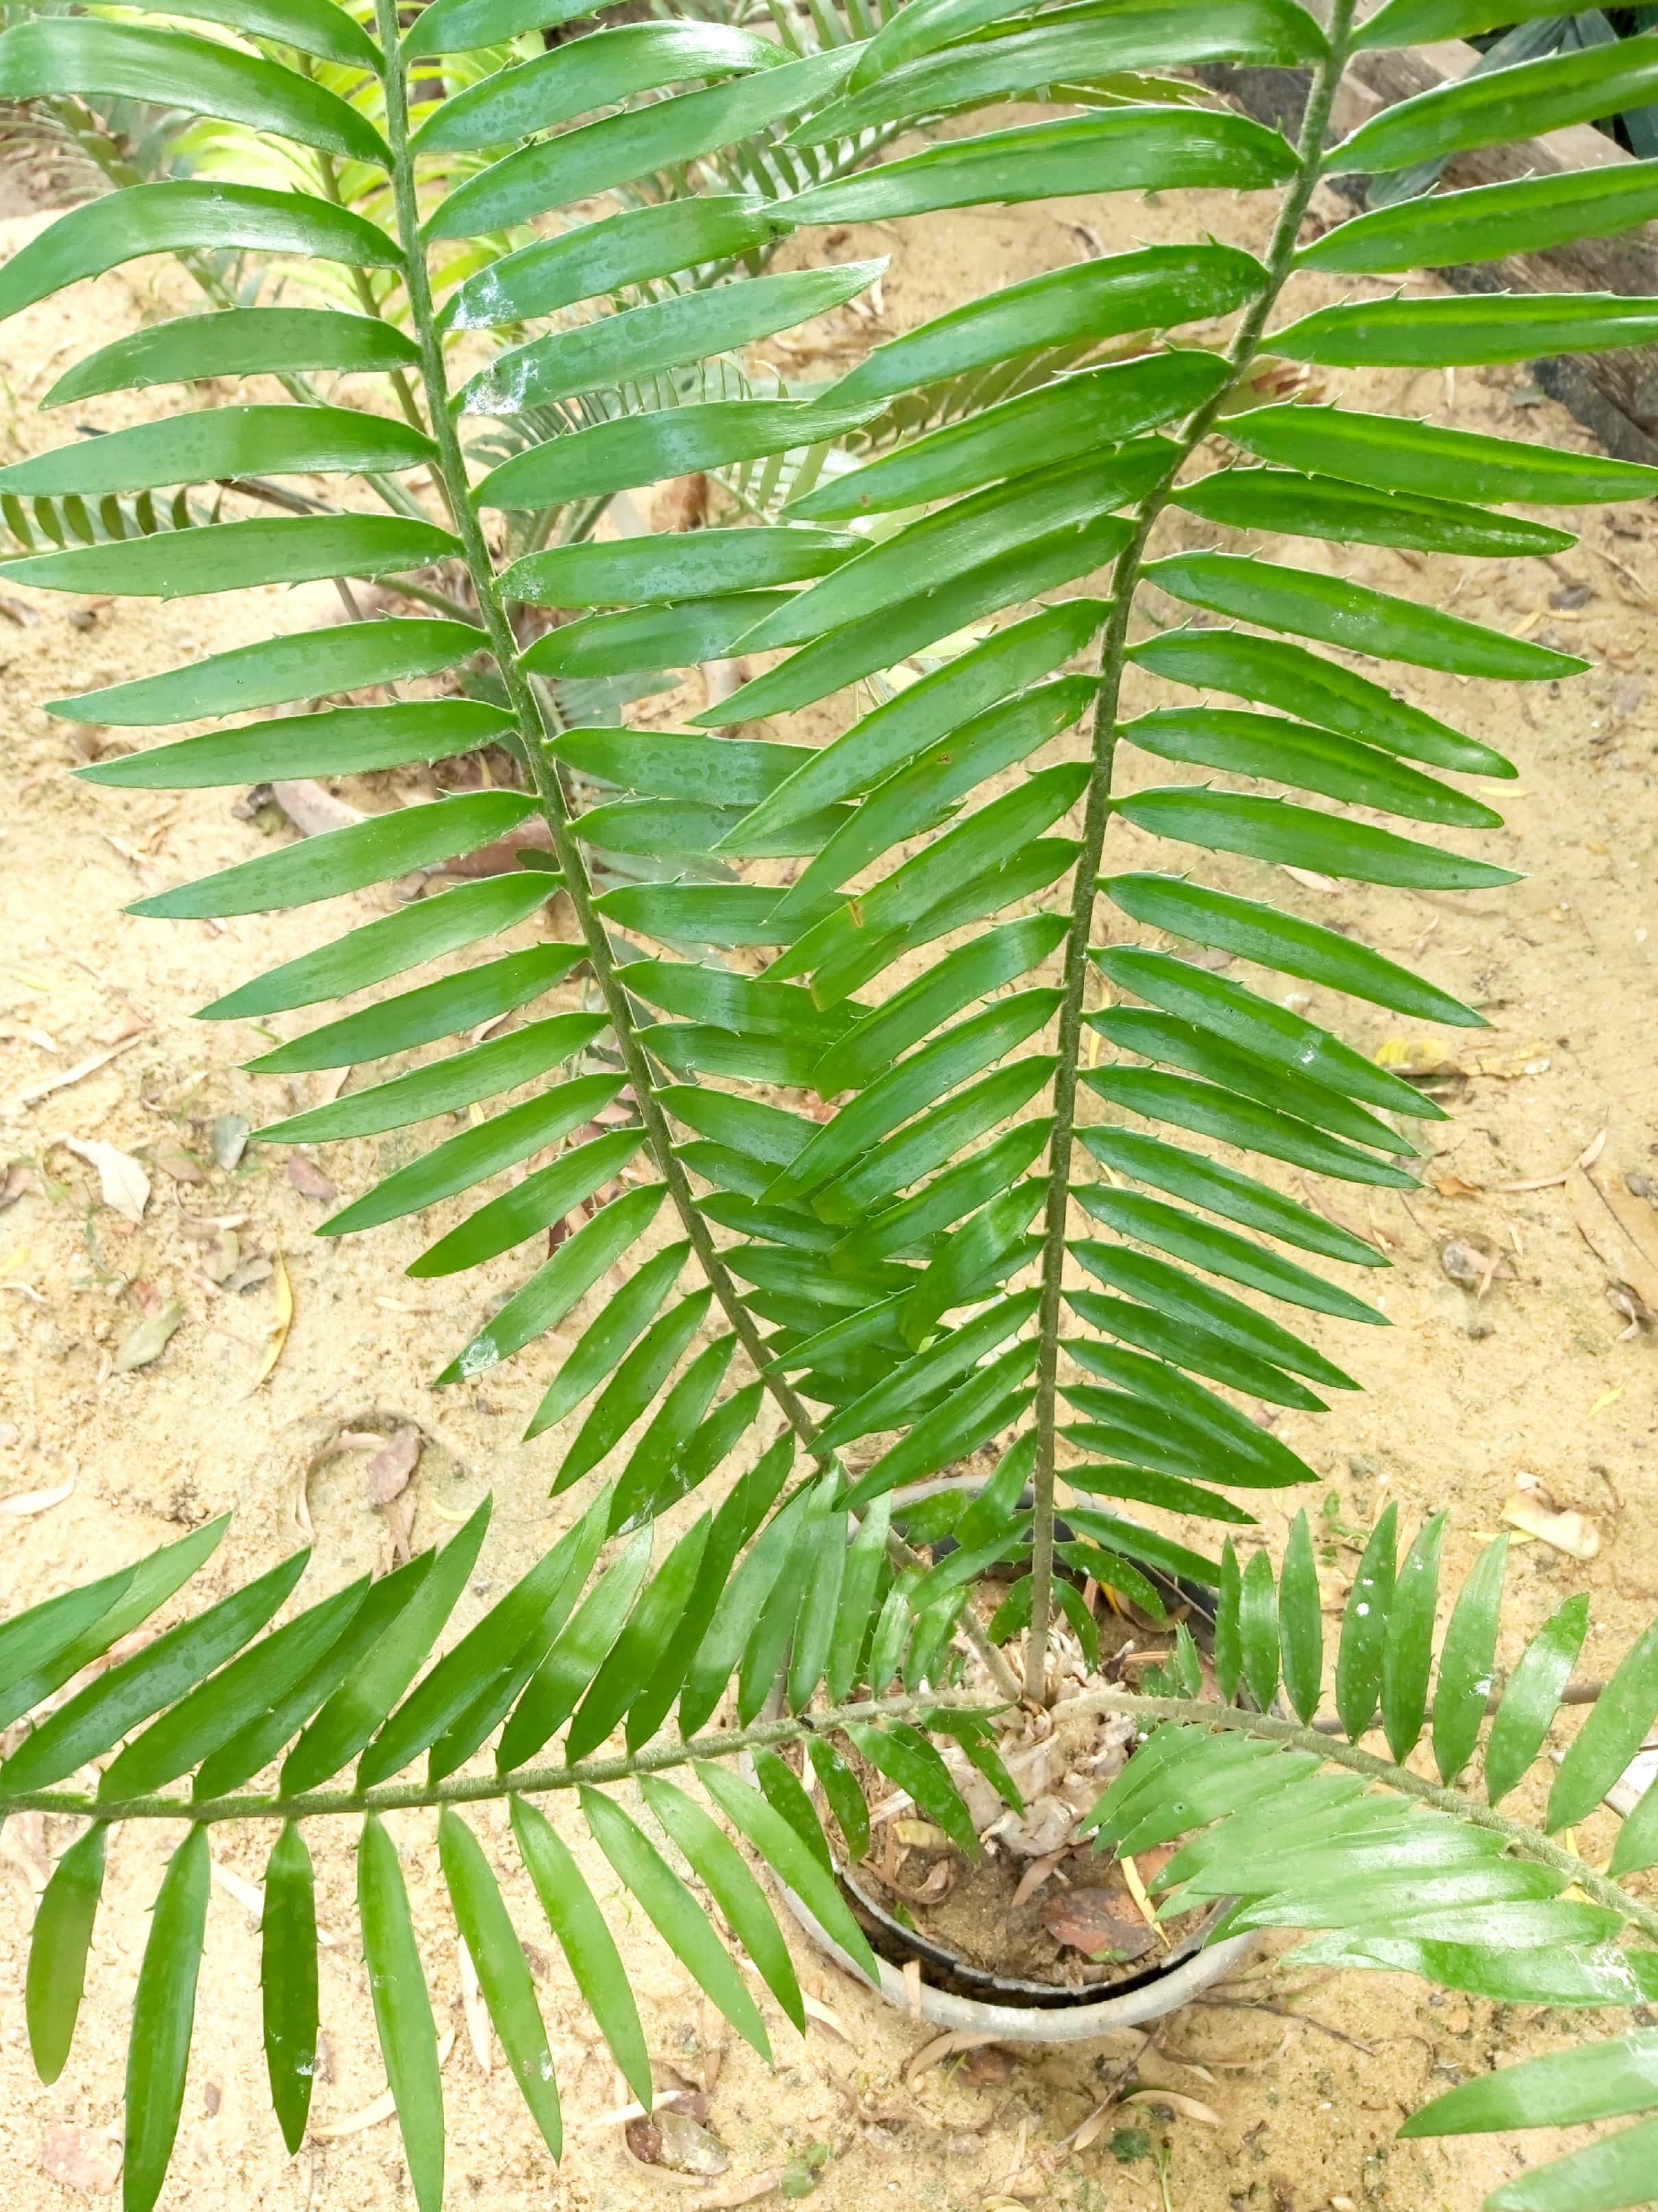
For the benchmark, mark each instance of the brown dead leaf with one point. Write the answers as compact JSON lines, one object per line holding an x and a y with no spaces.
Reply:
{"x":1452,"y":1186}
{"x":392,"y":1464}
{"x":1036,"y":1875}
{"x":1099,"y":1923}
{"x":1620,"y":1228}
{"x":1184,"y":2108}
{"x":933,"y":2052}
{"x":173,"y":1160}
{"x":13,"y":1183}
{"x":308,"y":1179}
{"x":81,"y":2158}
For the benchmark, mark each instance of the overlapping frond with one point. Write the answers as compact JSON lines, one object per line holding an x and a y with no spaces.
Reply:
{"x":224,"y":1697}
{"x":1277,"y":1815}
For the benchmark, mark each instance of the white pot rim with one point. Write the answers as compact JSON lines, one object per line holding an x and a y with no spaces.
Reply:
{"x":1160,"y":1993}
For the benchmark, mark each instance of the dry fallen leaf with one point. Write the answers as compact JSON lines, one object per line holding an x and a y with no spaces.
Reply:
{"x":24,"y":1502}
{"x":173,"y":1160}
{"x":1420,"y":1060}
{"x":122,"y":1182}
{"x":1093,"y":2127}
{"x":1185,"y":2108}
{"x":78,"y":1073}
{"x":1099,"y":1921}
{"x":1574,"y":1534}
{"x":227,"y":1141}
{"x":940,"y":2047}
{"x":1620,"y":1229}
{"x":921,"y":1835}
{"x":1137,"y":1890}
{"x":308,"y":1179}
{"x":149,"y":1339}
{"x":280,"y":1325}
{"x":1452,"y":1186}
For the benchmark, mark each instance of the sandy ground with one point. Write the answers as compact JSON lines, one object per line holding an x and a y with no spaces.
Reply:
{"x":1306,"y":2077}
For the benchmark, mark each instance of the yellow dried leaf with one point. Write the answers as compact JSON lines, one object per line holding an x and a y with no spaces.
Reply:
{"x":1137,"y":1890}
{"x":280,"y":1327}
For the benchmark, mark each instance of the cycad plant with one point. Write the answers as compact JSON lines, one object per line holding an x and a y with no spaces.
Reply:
{"x":886,"y":1272}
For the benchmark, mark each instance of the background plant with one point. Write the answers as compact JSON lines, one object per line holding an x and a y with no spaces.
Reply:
{"x":873,"y":1266}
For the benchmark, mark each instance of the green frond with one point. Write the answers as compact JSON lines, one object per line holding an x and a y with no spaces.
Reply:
{"x":966,"y":1160}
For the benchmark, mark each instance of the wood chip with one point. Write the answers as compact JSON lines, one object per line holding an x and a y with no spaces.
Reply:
{"x":1637,"y":1779}
{"x":248,"y":1895}
{"x":619,"y":2115}
{"x":122,"y":1182}
{"x":1574,"y":1534}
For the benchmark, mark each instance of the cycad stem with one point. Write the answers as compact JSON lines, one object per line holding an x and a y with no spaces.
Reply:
{"x":452,"y":466}
{"x":1240,"y":355}
{"x":328,"y":170}
{"x":451,"y":469}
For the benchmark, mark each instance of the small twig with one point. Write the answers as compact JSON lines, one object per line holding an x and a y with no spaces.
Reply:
{"x":1283,"y":2012}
